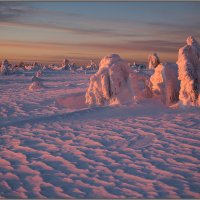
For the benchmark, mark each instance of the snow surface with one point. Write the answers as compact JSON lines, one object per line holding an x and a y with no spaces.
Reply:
{"x":53,"y":146}
{"x":189,"y":72}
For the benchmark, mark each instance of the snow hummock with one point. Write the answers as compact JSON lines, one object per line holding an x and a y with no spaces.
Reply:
{"x":5,"y":67}
{"x":153,"y":61}
{"x":164,"y":83}
{"x":110,"y":83}
{"x":36,"y":81}
{"x":189,"y":72}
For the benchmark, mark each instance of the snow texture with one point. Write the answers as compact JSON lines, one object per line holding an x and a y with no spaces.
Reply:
{"x":57,"y":150}
{"x":36,"y":81}
{"x":189,"y":73}
{"x":5,"y":67}
{"x":153,"y":61}
{"x":139,"y":85}
{"x":110,"y":83}
{"x":164,"y":83}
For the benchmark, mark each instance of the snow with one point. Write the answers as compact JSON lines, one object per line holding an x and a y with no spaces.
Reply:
{"x":36,"y":81}
{"x":153,"y":61}
{"x":110,"y":83}
{"x":139,"y":84}
{"x":164,"y":82}
{"x":118,"y":132}
{"x":5,"y":67}
{"x":52,"y":145}
{"x":189,"y":73}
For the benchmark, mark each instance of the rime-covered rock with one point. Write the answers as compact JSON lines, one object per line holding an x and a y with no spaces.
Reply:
{"x":189,"y":72}
{"x":110,"y":83}
{"x":153,"y":61}
{"x":164,"y":83}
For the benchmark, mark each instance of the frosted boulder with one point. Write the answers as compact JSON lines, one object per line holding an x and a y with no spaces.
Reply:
{"x":5,"y":67}
{"x":189,"y":72}
{"x":153,"y":61}
{"x":110,"y":84}
{"x":164,"y":82}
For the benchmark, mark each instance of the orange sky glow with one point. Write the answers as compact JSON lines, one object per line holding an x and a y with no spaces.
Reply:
{"x":48,"y":32}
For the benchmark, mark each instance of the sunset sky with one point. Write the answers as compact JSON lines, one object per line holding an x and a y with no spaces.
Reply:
{"x":50,"y":31}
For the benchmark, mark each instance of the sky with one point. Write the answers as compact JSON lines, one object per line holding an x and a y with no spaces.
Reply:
{"x":47,"y":32}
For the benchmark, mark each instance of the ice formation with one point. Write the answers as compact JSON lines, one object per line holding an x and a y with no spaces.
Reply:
{"x":110,"y":84}
{"x":153,"y":61}
{"x":139,"y":85}
{"x":189,"y":72}
{"x":36,"y":81}
{"x":164,"y":83}
{"x":5,"y":67}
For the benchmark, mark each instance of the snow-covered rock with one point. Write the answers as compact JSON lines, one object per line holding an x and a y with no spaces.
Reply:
{"x":189,"y":72}
{"x":110,"y":84}
{"x":5,"y":67}
{"x":164,"y":83}
{"x":153,"y":61}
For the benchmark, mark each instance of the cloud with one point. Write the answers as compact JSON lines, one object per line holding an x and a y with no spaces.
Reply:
{"x":12,"y":11}
{"x":130,"y":45}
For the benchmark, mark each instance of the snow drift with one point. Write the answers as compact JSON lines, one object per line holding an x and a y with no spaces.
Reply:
{"x":110,"y":84}
{"x":189,"y":72}
{"x":164,"y":83}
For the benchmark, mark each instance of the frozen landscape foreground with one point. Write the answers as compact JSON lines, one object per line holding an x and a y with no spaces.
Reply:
{"x":53,"y":146}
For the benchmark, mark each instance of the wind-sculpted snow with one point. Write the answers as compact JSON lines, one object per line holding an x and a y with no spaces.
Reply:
{"x":49,"y":148}
{"x":139,"y":84}
{"x":189,"y":72}
{"x":36,"y":81}
{"x":109,"y":85}
{"x":153,"y":61}
{"x":164,"y":83}
{"x":5,"y":67}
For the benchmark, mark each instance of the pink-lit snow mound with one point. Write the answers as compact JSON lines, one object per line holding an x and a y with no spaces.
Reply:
{"x":73,"y":101}
{"x":36,"y":81}
{"x":110,"y":84}
{"x":153,"y":61}
{"x":164,"y":83}
{"x":5,"y":67}
{"x":189,"y":72}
